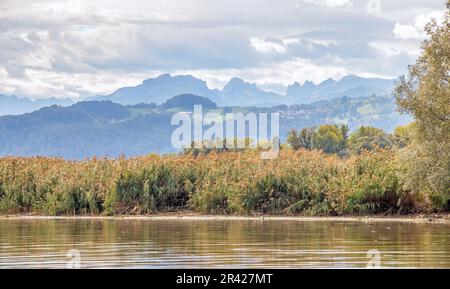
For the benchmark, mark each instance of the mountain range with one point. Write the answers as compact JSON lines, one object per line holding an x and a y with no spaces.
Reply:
{"x":350,"y":86}
{"x":236,"y":92}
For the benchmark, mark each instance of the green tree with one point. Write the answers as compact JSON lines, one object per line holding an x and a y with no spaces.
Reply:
{"x":303,"y":139}
{"x":306,"y":137}
{"x":293,"y":139}
{"x":329,"y":139}
{"x":368,"y":138}
{"x":425,"y":93}
{"x":403,"y":135}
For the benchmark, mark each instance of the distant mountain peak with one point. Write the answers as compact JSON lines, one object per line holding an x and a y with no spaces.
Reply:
{"x":239,"y":83}
{"x":236,"y":81}
{"x":295,"y":84}
{"x":350,"y":85}
{"x":167,"y":78}
{"x":352,"y":76}
{"x":14,"y":105}
{"x":164,"y":76}
{"x":159,"y":89}
{"x":327,"y":82}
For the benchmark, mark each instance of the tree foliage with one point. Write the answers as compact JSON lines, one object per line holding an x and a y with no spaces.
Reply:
{"x":425,"y":93}
{"x":369,"y":138}
{"x":330,"y":139}
{"x":403,"y":135}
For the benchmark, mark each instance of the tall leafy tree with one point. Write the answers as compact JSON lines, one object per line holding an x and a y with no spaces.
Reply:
{"x":306,"y":137}
{"x":329,"y":138}
{"x":303,"y":139}
{"x":425,"y":93}
{"x":293,"y":139}
{"x":368,"y":138}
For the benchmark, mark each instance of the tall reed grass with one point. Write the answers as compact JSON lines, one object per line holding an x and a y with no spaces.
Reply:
{"x":297,"y":182}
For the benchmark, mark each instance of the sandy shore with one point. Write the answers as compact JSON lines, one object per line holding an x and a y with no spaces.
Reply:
{"x":432,"y":219}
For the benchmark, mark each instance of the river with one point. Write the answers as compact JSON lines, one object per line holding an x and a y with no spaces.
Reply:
{"x":134,"y":243}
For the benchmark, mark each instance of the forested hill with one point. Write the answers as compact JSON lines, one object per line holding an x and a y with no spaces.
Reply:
{"x":104,"y":128}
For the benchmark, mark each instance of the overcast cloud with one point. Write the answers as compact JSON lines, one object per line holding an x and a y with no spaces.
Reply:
{"x":80,"y":48}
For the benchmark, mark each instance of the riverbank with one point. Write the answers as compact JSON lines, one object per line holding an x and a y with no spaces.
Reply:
{"x":192,"y":216}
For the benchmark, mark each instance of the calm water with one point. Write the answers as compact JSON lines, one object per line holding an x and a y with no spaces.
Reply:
{"x":220,"y":244}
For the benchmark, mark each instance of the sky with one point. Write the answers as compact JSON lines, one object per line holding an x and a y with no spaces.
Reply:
{"x":80,"y":48}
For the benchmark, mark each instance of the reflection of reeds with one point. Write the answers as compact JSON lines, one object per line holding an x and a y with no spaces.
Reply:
{"x":251,"y":243}
{"x":304,"y":182}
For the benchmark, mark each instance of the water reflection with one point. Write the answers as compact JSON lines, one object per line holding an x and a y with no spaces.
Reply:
{"x":208,"y":244}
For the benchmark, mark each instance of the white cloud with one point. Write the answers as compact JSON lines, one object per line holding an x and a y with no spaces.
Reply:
{"x":325,"y":42}
{"x":330,"y":3}
{"x":395,"y":48}
{"x":79,"y":48}
{"x":288,"y":41}
{"x":74,"y":85}
{"x":406,"y":31}
{"x":265,"y":46}
{"x":416,"y":31}
{"x":423,"y":19}
{"x":282,"y":73}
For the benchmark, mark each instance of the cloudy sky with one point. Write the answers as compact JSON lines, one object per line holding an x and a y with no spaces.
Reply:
{"x":80,"y":48}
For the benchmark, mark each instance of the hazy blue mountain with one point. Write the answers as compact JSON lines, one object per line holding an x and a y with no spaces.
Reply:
{"x":351,"y":86}
{"x":301,"y":93}
{"x":160,"y":89}
{"x":157,"y":90}
{"x":13,"y":105}
{"x":237,"y":92}
{"x":104,"y":128}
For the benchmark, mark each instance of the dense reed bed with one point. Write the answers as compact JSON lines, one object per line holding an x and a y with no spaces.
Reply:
{"x":297,"y":182}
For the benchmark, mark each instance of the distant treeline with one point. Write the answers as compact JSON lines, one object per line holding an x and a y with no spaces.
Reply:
{"x":330,"y":139}
{"x":333,"y":139}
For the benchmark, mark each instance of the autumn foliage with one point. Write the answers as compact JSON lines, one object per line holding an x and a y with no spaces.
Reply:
{"x":297,"y":182}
